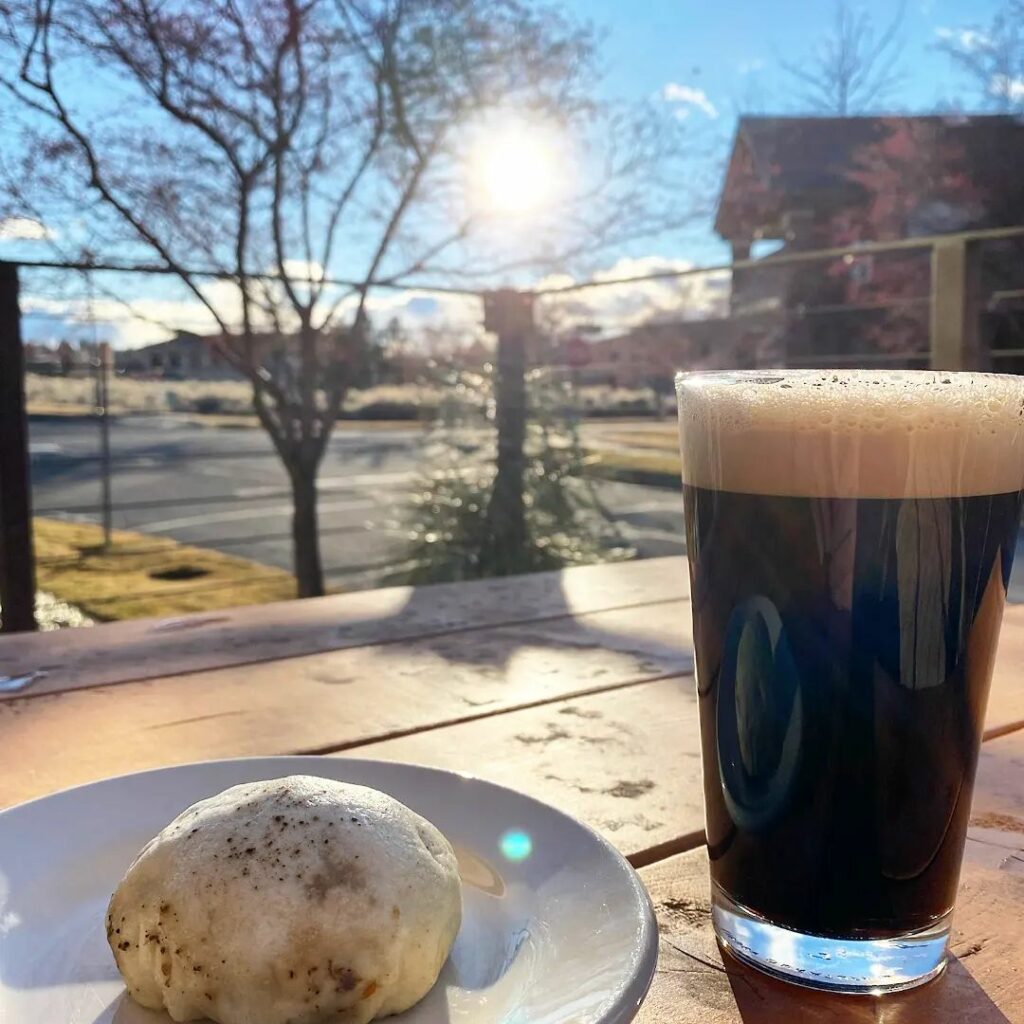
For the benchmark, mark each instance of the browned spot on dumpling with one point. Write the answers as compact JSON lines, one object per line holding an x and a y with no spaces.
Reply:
{"x":334,"y":875}
{"x":345,"y":977}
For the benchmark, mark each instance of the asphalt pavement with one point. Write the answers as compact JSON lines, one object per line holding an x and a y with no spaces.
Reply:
{"x":226,"y":489}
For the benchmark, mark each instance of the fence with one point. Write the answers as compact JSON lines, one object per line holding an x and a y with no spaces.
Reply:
{"x":949,"y":302}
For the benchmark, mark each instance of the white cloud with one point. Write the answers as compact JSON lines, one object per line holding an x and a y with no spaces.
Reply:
{"x":145,"y":321}
{"x":614,"y":307}
{"x":300,"y":270}
{"x":1011,"y":88}
{"x":968,"y":39}
{"x":23,"y":229}
{"x":688,"y":97}
{"x":415,"y":309}
{"x":148,"y":319}
{"x":749,"y":67}
{"x":620,"y":305}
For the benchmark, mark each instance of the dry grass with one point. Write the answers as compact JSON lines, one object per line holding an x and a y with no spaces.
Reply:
{"x":664,"y":438}
{"x":119,"y":583}
{"x":61,"y":409}
{"x":138,"y":395}
{"x":609,"y":399}
{"x":228,"y":401}
{"x":617,"y":464}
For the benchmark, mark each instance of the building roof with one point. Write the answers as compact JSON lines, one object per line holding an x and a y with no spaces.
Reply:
{"x":902,"y":175}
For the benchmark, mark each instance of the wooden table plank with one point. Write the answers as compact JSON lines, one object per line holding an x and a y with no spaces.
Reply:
{"x":328,"y":701}
{"x":626,"y":762}
{"x":643,"y":744}
{"x":985,"y":985}
{"x":149,"y":648}
{"x":997,"y":813}
{"x":1006,"y":698}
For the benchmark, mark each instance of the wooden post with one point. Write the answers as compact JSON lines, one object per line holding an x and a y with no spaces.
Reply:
{"x":956,"y":306}
{"x":508,"y":314}
{"x":104,"y":362}
{"x":17,"y":564}
{"x":740,"y":277}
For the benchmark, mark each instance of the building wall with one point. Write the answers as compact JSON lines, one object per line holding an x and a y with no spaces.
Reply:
{"x":185,"y":357}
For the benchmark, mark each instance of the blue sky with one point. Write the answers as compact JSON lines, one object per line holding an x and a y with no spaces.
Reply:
{"x":730,"y":53}
{"x":719,"y":47}
{"x":714,"y":60}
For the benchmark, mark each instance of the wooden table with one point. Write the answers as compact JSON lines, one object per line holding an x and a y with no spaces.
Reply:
{"x":574,"y":687}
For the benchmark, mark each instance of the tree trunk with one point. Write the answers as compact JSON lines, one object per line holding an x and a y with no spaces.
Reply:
{"x":309,"y":573}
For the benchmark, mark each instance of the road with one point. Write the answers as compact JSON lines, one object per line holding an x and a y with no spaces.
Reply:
{"x":226,"y":489}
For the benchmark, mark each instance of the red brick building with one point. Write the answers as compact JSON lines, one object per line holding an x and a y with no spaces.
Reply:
{"x":818,"y":183}
{"x":650,"y":355}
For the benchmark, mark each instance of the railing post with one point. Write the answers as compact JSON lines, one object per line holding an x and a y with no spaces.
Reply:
{"x":104,"y":361}
{"x":17,"y":562}
{"x":509,"y":314}
{"x":956,"y":306}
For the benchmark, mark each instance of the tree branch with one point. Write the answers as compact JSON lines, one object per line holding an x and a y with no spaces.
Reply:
{"x":59,"y":112}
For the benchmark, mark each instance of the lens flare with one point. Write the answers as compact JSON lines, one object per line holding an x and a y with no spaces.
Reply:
{"x":515,"y":845}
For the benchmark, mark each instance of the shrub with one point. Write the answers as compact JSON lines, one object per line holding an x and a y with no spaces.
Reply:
{"x":446,"y":519}
{"x":386,"y":410}
{"x":209,"y":405}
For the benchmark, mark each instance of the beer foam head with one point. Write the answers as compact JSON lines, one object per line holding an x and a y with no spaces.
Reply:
{"x":852,"y":433}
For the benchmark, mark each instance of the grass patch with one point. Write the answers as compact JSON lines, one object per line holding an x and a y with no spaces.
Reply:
{"x":651,"y":468}
{"x":230,"y":401}
{"x":659,"y":438}
{"x":225,"y":422}
{"x":70,"y":410}
{"x":141,"y":576}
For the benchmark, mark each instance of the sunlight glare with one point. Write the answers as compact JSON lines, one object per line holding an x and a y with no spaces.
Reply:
{"x":515,"y":168}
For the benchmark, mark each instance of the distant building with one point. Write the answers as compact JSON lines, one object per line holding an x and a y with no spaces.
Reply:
{"x":42,"y":359}
{"x":651,"y":354}
{"x":64,"y":359}
{"x":186,"y":356}
{"x":818,"y":183}
{"x":189,"y":356}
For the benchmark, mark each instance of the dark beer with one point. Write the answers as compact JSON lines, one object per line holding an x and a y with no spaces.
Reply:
{"x":844,"y":728}
{"x":850,"y":539}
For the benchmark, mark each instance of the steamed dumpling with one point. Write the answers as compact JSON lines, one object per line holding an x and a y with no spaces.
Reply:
{"x":297,"y":900}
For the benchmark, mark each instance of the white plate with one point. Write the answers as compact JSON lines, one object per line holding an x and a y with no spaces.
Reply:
{"x":557,"y":927}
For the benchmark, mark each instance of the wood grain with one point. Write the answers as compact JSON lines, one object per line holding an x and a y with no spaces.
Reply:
{"x":999,"y":786}
{"x":1006,"y":698}
{"x":331,"y":700}
{"x":626,"y":762}
{"x":696,"y":983}
{"x":997,"y":813}
{"x":149,"y":648}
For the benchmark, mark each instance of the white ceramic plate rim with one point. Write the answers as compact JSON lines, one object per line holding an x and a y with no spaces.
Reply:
{"x":627,"y":1001}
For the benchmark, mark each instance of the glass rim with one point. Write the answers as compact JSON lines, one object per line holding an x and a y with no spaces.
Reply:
{"x":889,"y":373}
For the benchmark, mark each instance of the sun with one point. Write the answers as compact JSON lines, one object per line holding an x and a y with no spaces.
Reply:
{"x":515,"y":168}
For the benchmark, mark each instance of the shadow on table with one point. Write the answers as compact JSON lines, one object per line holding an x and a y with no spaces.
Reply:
{"x":549,"y":621}
{"x":954,"y":996}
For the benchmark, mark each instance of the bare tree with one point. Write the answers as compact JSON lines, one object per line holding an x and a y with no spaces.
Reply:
{"x":274,"y":141}
{"x":992,"y":57}
{"x":854,"y":67}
